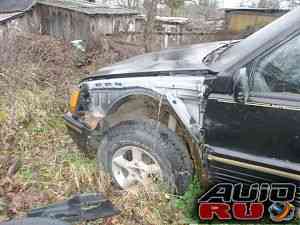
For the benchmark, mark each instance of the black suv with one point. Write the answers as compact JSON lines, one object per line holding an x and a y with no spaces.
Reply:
{"x":230,"y":109}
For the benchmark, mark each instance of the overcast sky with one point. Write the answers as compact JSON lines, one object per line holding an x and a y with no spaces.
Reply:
{"x":236,"y":3}
{"x":231,"y":3}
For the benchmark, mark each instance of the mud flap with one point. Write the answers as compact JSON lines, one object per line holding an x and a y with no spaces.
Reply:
{"x":81,"y":207}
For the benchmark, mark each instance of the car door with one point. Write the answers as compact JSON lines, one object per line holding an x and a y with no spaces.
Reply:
{"x":259,"y":140}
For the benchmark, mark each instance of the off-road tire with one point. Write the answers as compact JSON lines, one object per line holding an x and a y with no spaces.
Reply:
{"x":171,"y":154}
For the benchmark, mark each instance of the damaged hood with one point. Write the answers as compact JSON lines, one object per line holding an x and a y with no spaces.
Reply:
{"x":188,"y":58}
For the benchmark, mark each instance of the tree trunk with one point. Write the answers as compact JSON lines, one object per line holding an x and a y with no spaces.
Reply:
{"x":151,"y":7}
{"x":173,"y":12}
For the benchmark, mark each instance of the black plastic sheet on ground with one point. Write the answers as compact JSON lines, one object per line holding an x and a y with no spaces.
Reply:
{"x":8,"y":6}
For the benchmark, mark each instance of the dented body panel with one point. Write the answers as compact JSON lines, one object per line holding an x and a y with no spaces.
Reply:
{"x":170,"y":89}
{"x":178,"y":78}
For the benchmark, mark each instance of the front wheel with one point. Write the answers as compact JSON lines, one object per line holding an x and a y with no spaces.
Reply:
{"x":134,"y":151}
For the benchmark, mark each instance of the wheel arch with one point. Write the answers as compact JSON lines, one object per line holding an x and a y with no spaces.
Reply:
{"x":138,"y":104}
{"x":135,"y":93}
{"x":144,"y":105}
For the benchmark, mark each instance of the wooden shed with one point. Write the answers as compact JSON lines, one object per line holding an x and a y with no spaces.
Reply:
{"x":75,"y":19}
{"x":242,"y":19}
{"x":15,"y":16}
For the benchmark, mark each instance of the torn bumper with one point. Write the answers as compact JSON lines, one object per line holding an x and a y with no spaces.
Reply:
{"x":81,"y":207}
{"x":77,"y":129}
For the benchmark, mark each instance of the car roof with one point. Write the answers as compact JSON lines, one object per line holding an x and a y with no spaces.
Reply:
{"x":258,"y":42}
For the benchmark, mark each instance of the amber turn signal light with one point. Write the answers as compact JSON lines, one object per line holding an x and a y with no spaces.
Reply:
{"x":74,"y":101}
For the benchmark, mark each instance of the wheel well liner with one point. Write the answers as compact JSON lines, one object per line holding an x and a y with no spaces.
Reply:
{"x":115,"y":105}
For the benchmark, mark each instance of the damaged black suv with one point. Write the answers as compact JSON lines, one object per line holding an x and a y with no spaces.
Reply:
{"x":230,"y":109}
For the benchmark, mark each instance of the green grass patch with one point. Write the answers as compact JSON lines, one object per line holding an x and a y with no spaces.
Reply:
{"x":188,"y":202}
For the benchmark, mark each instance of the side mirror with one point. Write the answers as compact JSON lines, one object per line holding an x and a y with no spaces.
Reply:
{"x":241,"y":87}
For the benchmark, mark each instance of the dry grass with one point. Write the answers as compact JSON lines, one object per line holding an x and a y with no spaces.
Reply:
{"x":39,"y":162}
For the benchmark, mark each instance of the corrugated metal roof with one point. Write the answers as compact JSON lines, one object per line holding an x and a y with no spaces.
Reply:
{"x":168,"y":19}
{"x":266,"y":10}
{"x":179,"y":20}
{"x":6,"y":16}
{"x":87,"y":7}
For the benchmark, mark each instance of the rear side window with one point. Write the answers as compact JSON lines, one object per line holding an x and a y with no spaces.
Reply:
{"x":279,"y":71}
